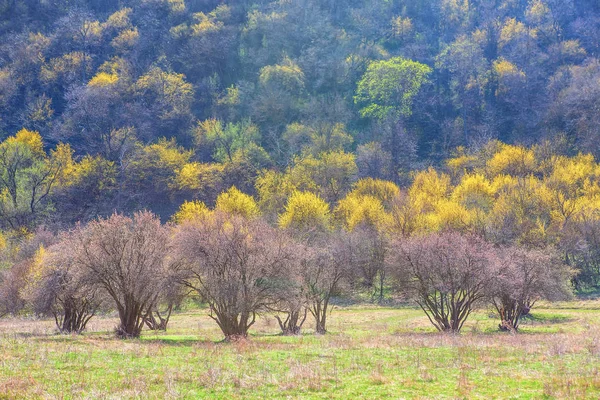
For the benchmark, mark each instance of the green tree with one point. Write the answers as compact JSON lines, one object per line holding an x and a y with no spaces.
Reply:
{"x":388,"y":87}
{"x":27,"y":176}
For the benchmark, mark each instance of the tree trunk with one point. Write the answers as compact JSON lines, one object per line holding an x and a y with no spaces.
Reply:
{"x":292,"y":325}
{"x":131,"y":320}
{"x":158,"y":322}
{"x":234,"y":326}
{"x":74,"y":316}
{"x":319,"y":311}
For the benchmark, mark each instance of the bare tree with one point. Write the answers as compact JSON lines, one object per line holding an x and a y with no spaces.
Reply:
{"x":125,"y":257}
{"x":235,"y":264}
{"x":61,"y":293}
{"x":368,"y":247}
{"x":523,"y":277}
{"x":445,"y":274}
{"x":171,"y":297}
{"x":326,"y":267}
{"x":290,"y":305}
{"x":291,"y":309}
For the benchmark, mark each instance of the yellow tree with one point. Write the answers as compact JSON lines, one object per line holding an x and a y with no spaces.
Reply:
{"x":306,"y":214}
{"x":235,"y":202}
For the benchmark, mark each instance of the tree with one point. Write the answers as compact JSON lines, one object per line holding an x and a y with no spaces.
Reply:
{"x":18,"y":254}
{"x":235,"y":264}
{"x":388,"y":87}
{"x":59,"y":288}
{"x":27,"y":176}
{"x":329,"y":174}
{"x":235,"y":202}
{"x":165,"y":100}
{"x":523,"y":277}
{"x":150,"y":174}
{"x":225,"y":140}
{"x":326,"y":264}
{"x":373,"y":161}
{"x":124,"y":257}
{"x":290,"y":294}
{"x":446,"y":274}
{"x":368,"y":253}
{"x":306,"y":214}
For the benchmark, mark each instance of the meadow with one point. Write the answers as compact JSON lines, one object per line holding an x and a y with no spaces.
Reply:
{"x":369,"y":352}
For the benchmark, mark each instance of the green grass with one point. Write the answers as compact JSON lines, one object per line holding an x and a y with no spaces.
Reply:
{"x":370,"y":352}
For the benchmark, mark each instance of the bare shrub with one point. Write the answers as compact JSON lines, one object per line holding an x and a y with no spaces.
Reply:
{"x":291,"y":302}
{"x":368,"y":249}
{"x":326,"y":265}
{"x":235,"y":264}
{"x":61,"y":292}
{"x":125,"y":257}
{"x":523,"y":277}
{"x":445,"y":274}
{"x":157,"y":319}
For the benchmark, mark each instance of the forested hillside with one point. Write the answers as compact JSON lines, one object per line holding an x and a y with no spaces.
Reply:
{"x":390,"y":118}
{"x":156,"y":101}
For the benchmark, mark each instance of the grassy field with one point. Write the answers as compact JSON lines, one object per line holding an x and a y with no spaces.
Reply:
{"x":370,"y":352}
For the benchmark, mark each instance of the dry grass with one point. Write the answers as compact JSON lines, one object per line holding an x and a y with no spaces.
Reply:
{"x":369,"y":353}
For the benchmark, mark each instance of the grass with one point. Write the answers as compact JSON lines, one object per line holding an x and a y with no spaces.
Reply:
{"x":370,"y":352}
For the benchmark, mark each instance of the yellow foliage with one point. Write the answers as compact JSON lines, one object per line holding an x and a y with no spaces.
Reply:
{"x":504,"y":67}
{"x":512,"y":30}
{"x":32,"y":139}
{"x":196,"y":176}
{"x":502,"y":182}
{"x":189,"y":211}
{"x":288,"y":75}
{"x":428,"y":187}
{"x":512,"y":160}
{"x":330,"y":174}
{"x":461,"y":163}
{"x":447,"y":214}
{"x":176,"y":6}
{"x":474,"y":191}
{"x":405,"y":218}
{"x":384,"y":191}
{"x":402,"y":27}
{"x":35,"y":272}
{"x":231,"y":97}
{"x":172,"y":87}
{"x":235,"y":202}
{"x":273,"y":188}
{"x":63,"y":155}
{"x":126,"y":39}
{"x":573,"y":173}
{"x":528,"y":203}
{"x":205,"y":24}
{"x":306,"y":211}
{"x":103,"y":79}
{"x":168,"y":153}
{"x":119,"y":19}
{"x":362,"y":210}
{"x":537,"y":11}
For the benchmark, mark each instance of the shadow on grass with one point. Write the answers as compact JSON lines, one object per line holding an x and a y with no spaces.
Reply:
{"x":545,"y":319}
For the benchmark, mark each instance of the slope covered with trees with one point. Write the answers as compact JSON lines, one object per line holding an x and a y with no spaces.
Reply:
{"x":168,"y":100}
{"x":356,"y":133}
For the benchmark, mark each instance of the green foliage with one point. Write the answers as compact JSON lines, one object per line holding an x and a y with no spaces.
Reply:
{"x":27,"y":176}
{"x":388,"y":87}
{"x":226,"y":140}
